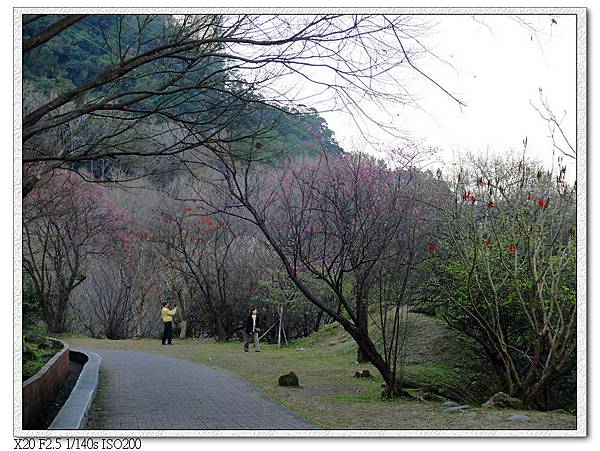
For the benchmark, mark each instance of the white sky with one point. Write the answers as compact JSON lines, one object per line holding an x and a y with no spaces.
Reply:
{"x":497,"y":67}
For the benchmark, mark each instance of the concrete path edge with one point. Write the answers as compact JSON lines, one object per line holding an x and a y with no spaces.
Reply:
{"x":73,"y":413}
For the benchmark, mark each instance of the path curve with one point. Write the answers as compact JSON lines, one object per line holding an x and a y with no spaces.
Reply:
{"x":148,"y":391}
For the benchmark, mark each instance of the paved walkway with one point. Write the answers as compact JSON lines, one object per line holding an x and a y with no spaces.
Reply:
{"x":149,"y":391}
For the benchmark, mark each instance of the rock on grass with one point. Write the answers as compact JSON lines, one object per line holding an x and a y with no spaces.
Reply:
{"x":450,"y":404}
{"x":289,"y":380}
{"x":502,"y":400}
{"x":457,"y":408}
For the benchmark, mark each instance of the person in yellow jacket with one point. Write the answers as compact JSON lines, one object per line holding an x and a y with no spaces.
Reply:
{"x":167,"y":316}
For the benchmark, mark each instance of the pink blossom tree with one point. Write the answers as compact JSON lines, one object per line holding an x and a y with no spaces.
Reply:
{"x":64,"y":223}
{"x":336,"y":219}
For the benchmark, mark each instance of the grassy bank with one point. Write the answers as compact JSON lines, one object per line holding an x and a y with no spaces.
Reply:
{"x":329,"y":394}
{"x":41,"y":353}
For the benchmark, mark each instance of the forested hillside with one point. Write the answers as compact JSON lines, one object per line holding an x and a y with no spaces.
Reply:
{"x":79,"y":54}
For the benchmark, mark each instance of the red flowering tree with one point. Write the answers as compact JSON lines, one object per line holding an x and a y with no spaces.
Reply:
{"x":507,"y":270}
{"x":64,"y":223}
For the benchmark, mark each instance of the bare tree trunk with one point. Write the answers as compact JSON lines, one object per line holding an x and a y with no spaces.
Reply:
{"x":183,"y":331}
{"x":361,"y":294}
{"x":318,"y":321}
{"x":393,"y":387}
{"x":362,"y":323}
{"x":139,"y":328}
{"x":280,"y":311}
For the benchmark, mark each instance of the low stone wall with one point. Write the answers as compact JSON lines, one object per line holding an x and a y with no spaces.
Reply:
{"x":41,"y":388}
{"x":73,"y":413}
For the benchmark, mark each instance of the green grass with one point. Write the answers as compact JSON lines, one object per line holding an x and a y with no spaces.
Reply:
{"x":331,"y":397}
{"x":33,"y":366}
{"x":42,"y":356}
{"x":440,"y":373}
{"x":330,"y":333}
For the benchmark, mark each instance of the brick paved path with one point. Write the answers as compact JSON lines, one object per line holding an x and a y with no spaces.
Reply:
{"x":147,"y":391}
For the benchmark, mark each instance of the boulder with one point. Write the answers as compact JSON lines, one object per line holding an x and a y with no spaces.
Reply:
{"x":458,"y":408}
{"x":502,"y":400}
{"x":289,"y":380}
{"x":450,"y":404}
{"x":519,"y":418}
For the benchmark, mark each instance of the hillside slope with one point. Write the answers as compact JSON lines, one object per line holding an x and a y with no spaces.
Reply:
{"x":435,"y":354}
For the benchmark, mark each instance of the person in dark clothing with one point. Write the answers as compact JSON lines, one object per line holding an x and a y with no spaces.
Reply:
{"x":167,"y":317}
{"x":251,"y":330}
